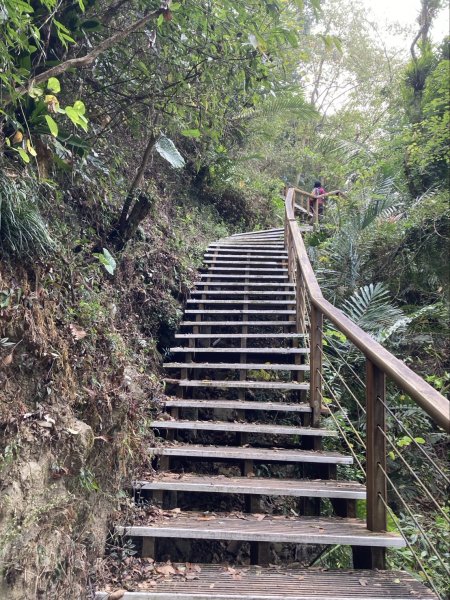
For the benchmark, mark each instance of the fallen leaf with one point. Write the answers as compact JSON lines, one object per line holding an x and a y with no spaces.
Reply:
{"x":212,"y":586}
{"x":77,"y":332}
{"x":7,"y":360}
{"x":166,"y":570}
{"x":206,"y":518}
{"x":259,"y":517}
{"x":116,"y":595}
{"x":44,"y":424}
{"x":363,"y":582}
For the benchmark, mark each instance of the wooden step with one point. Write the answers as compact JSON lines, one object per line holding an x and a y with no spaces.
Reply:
{"x":229,"y":427}
{"x":238,"y":323}
{"x":239,"y":269}
{"x":241,"y":301}
{"x":240,"y":336}
{"x":257,"y":265}
{"x":254,"y":251}
{"x":250,"y":286}
{"x":237,"y":405}
{"x":212,"y":349}
{"x":224,"y":582}
{"x":244,"y":246}
{"x":250,"y":260}
{"x":264,"y":486}
{"x":279,"y":230}
{"x":278,"y":278}
{"x":263,"y":455}
{"x":245,"y":385}
{"x":261,"y":311}
{"x":236,"y":366}
{"x":298,"y":530}
{"x":243,"y":293}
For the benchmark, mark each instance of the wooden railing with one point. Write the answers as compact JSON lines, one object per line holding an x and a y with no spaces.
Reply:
{"x":381,"y":367}
{"x":308,"y":204}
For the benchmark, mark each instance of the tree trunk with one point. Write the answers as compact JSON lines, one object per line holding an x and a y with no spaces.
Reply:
{"x":136,"y":183}
{"x":138,"y":213}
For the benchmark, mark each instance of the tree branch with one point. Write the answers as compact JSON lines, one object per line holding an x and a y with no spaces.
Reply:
{"x":88,"y":59}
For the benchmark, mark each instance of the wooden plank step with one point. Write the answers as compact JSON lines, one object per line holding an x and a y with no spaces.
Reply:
{"x":234,"y":276}
{"x":298,"y":530}
{"x":251,"y":285}
{"x":249,"y":259}
{"x":264,"y":486}
{"x":248,"y":384}
{"x":244,"y":246}
{"x":241,"y":263}
{"x":190,"y":311}
{"x":237,"y":405}
{"x":259,"y":232}
{"x":236,"y":366}
{"x":252,"y":250}
{"x":241,"y":301}
{"x":248,"y":453}
{"x":244,"y":293}
{"x":238,"y":323}
{"x":212,"y":349}
{"x":247,"y":269}
{"x":273,"y":238}
{"x":222,"y":582}
{"x":260,"y":428}
{"x":240,"y":336}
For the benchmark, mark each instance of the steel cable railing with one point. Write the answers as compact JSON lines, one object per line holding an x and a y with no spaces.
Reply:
{"x":364,"y":426}
{"x":396,"y":521}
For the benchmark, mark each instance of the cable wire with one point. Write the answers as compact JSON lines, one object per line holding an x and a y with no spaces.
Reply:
{"x":410,"y":435}
{"x":415,"y":521}
{"x":408,"y":543}
{"x":416,"y":477}
{"x":356,"y":432}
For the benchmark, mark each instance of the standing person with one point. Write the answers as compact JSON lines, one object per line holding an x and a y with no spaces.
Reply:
{"x":318,"y":192}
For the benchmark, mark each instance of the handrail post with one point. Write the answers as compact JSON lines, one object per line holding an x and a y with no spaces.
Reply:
{"x":300,"y":299}
{"x":376,"y":456}
{"x":315,"y":359}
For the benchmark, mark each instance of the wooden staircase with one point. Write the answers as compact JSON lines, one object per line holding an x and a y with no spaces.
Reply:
{"x":238,"y":433}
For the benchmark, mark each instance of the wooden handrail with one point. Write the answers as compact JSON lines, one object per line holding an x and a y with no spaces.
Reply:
{"x":429,"y":399}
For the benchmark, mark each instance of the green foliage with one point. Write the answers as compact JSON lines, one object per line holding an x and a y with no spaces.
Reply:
{"x":370,"y":308}
{"x":107,"y":260}
{"x":23,"y":232}
{"x":167,"y":149}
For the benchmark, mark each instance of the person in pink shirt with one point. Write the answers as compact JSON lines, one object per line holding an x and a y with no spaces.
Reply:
{"x":318,"y":191}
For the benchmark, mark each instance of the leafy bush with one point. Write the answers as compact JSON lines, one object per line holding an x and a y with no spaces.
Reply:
{"x":22,"y":229}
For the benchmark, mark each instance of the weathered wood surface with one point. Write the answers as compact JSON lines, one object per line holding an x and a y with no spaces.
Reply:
{"x":249,"y":453}
{"x":238,"y":405}
{"x":243,"y":428}
{"x":297,"y":530}
{"x":217,"y":582}
{"x":220,"y":484}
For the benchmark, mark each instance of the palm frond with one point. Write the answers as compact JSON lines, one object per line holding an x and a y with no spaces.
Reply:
{"x":370,"y":307}
{"x":274,"y":106}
